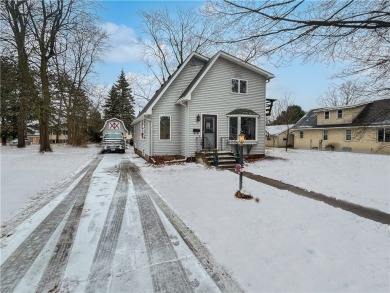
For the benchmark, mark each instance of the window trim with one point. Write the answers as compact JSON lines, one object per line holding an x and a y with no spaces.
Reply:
{"x":325,"y":115}
{"x":384,"y":134}
{"x":300,"y":133}
{"x":142,"y":130}
{"x":239,"y":87}
{"x":325,"y":136}
{"x":350,"y":134}
{"x":170,"y":127}
{"x":342,"y":114}
{"x":239,"y":127}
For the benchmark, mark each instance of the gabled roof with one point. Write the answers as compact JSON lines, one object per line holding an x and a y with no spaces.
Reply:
{"x":186,"y":94}
{"x":375,"y":113}
{"x":164,"y":87}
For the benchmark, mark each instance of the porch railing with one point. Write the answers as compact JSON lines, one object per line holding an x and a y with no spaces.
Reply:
{"x":224,"y":144}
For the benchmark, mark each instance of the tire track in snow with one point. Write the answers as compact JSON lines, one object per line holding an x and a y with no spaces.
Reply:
{"x":167,"y":272}
{"x":102,"y":262}
{"x":16,"y":266}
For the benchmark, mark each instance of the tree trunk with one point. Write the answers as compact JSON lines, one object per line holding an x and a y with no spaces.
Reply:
{"x":44,"y":110}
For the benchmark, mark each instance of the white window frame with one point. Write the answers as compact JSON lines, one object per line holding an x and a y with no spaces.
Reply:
{"x":323,"y":134}
{"x":384,"y":134}
{"x":142,"y":130}
{"x":325,"y":115}
{"x":170,"y":127}
{"x":239,"y":87}
{"x":239,"y":127}
{"x":342,"y":114}
{"x":350,"y":134}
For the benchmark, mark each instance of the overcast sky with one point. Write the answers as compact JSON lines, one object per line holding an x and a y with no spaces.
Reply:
{"x":304,"y":82}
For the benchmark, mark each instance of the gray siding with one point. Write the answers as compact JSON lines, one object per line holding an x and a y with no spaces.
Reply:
{"x":166,"y":106}
{"x":183,"y":134}
{"x":142,"y":144}
{"x":213,"y":96}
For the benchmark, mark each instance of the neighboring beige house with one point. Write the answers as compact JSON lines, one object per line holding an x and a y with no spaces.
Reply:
{"x":276,"y":136}
{"x":359,"y":128}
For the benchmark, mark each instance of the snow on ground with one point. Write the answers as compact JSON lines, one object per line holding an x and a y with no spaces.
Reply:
{"x":25,"y":172}
{"x":285,"y":242}
{"x":363,"y":179}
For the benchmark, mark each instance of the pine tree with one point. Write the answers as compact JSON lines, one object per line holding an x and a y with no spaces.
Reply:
{"x":120,"y":102}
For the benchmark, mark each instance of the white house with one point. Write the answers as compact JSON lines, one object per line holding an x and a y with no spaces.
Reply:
{"x":205,"y":104}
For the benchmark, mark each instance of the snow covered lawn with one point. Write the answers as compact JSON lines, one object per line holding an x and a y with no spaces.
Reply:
{"x":363,"y":179}
{"x":25,"y":172}
{"x":286,"y":242}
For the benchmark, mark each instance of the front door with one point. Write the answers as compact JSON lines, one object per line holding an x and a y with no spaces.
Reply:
{"x":209,"y":131}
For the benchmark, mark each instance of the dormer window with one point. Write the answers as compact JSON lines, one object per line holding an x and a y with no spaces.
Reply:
{"x":339,"y":114}
{"x":326,"y":115}
{"x":239,"y":86}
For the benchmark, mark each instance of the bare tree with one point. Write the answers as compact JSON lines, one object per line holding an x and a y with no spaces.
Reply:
{"x":144,"y":87}
{"x":34,"y":29}
{"x":353,"y":31}
{"x":347,"y":93}
{"x":173,"y":36}
{"x":14,"y":18}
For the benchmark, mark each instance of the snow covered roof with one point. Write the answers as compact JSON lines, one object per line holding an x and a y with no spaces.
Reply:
{"x":277,"y":129}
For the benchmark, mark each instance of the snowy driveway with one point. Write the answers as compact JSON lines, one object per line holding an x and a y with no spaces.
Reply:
{"x":108,"y":232}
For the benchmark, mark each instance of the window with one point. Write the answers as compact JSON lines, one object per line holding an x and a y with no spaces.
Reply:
{"x":325,"y":136}
{"x":326,"y":114}
{"x":165,"y":127}
{"x":246,"y":125}
{"x":239,"y":86}
{"x":300,"y":134}
{"x":339,"y":114}
{"x":348,"y":134}
{"x":142,"y":129}
{"x":383,"y":134}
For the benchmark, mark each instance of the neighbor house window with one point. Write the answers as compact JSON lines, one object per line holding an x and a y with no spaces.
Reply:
{"x":383,"y":134}
{"x":165,"y":127}
{"x":348,"y":134}
{"x":239,"y":86}
{"x":246,"y":125}
{"x":339,"y":114}
{"x":325,"y":136}
{"x":326,"y":114}
{"x":300,"y":134}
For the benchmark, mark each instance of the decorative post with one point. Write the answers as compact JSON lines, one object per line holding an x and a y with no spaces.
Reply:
{"x":241,"y":139}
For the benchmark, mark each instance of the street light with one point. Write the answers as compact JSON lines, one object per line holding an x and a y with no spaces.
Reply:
{"x":241,"y":139}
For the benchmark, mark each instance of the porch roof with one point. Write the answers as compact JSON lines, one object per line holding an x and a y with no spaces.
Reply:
{"x":242,"y":112}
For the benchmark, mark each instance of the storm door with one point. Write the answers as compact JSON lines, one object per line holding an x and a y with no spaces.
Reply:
{"x":209,"y":131}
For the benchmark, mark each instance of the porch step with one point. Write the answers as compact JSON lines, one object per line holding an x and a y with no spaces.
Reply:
{"x":226,"y":160}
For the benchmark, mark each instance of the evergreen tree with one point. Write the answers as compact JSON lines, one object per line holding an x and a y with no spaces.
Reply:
{"x":120,"y":102}
{"x":290,"y":116}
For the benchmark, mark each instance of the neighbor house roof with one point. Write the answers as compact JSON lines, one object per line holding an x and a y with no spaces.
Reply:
{"x":277,"y":129}
{"x":375,"y":113}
